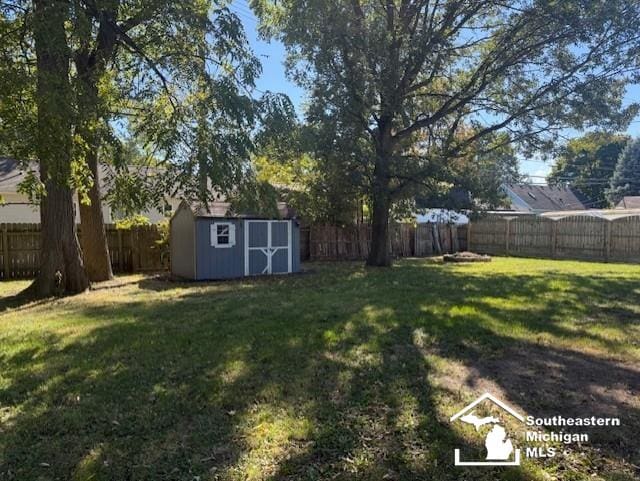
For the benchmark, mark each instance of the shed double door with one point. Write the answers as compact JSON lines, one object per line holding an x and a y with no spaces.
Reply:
{"x":267,"y":247}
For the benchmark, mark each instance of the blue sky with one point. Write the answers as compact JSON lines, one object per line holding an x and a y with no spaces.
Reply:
{"x":272,"y":55}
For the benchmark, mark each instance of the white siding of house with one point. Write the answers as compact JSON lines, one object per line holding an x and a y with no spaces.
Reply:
{"x":17,"y":209}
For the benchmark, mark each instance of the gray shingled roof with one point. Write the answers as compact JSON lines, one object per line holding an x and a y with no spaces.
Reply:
{"x":223,"y":209}
{"x":12,"y":172}
{"x":629,"y":202}
{"x":550,"y":197}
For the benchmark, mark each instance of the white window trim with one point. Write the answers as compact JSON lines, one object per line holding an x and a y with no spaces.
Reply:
{"x":214,"y":235}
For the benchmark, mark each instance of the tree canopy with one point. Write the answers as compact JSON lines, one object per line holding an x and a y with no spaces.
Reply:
{"x":308,"y":171}
{"x":626,"y":177}
{"x":587,"y":164}
{"x":415,"y":84}
{"x":176,"y":76}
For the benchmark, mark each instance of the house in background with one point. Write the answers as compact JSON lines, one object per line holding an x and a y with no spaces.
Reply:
{"x":17,"y":208}
{"x":445,"y":209}
{"x":536,"y":199}
{"x":629,"y":202}
{"x":442,"y":216}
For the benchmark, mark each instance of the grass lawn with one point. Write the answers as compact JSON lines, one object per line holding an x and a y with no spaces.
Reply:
{"x":340,"y":373}
{"x":11,"y":288}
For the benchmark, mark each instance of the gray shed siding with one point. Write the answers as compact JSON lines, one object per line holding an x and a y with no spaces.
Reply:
{"x":219,"y":263}
{"x":183,"y":243}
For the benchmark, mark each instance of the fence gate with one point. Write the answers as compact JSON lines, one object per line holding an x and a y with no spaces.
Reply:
{"x":267,"y":247}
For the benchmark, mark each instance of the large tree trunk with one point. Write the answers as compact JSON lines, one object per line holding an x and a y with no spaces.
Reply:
{"x":61,"y":266}
{"x":94,"y":237}
{"x":90,"y":66}
{"x":379,"y":252}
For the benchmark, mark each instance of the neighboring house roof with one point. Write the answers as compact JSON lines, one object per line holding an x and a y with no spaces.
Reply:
{"x":544,"y":198}
{"x":10,"y":175}
{"x":629,"y":202}
{"x":12,"y":172}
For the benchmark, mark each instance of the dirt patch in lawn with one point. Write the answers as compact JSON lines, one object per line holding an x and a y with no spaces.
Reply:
{"x":544,"y":381}
{"x":465,"y":257}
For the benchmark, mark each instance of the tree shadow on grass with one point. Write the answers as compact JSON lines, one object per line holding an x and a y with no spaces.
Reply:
{"x":538,"y":381}
{"x":252,"y":381}
{"x":20,"y":302}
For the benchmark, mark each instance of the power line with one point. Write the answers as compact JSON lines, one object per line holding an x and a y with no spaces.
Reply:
{"x":243,"y":3}
{"x":242,"y":8}
{"x":243,"y":16}
{"x":244,"y":11}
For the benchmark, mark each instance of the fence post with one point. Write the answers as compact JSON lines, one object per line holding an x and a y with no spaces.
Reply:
{"x":506,"y":236}
{"x":454,"y":238}
{"x":120,"y":251}
{"x":436,"y":238}
{"x":554,"y":238}
{"x":469,"y":236}
{"x":5,"y":251}
{"x":607,"y":241}
{"x":133,"y":235}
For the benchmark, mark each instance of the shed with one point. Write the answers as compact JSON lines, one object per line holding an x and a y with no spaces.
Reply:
{"x":209,"y":244}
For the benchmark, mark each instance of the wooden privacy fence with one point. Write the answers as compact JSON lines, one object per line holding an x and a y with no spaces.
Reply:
{"x":439,"y":238}
{"x":137,"y":249}
{"x":132,"y":250}
{"x":330,"y":242}
{"x":576,"y":237}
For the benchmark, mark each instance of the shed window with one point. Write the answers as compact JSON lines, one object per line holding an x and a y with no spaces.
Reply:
{"x":223,"y":234}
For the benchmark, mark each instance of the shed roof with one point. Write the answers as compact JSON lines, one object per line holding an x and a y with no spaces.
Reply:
{"x":224,"y":210}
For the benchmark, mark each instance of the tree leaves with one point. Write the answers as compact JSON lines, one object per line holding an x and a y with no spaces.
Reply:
{"x":446,"y":75}
{"x":587,"y":164}
{"x":176,"y":76}
{"x":626,"y":177}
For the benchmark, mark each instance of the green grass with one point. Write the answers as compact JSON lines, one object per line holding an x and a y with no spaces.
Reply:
{"x":12,"y":288}
{"x":339,"y":373}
